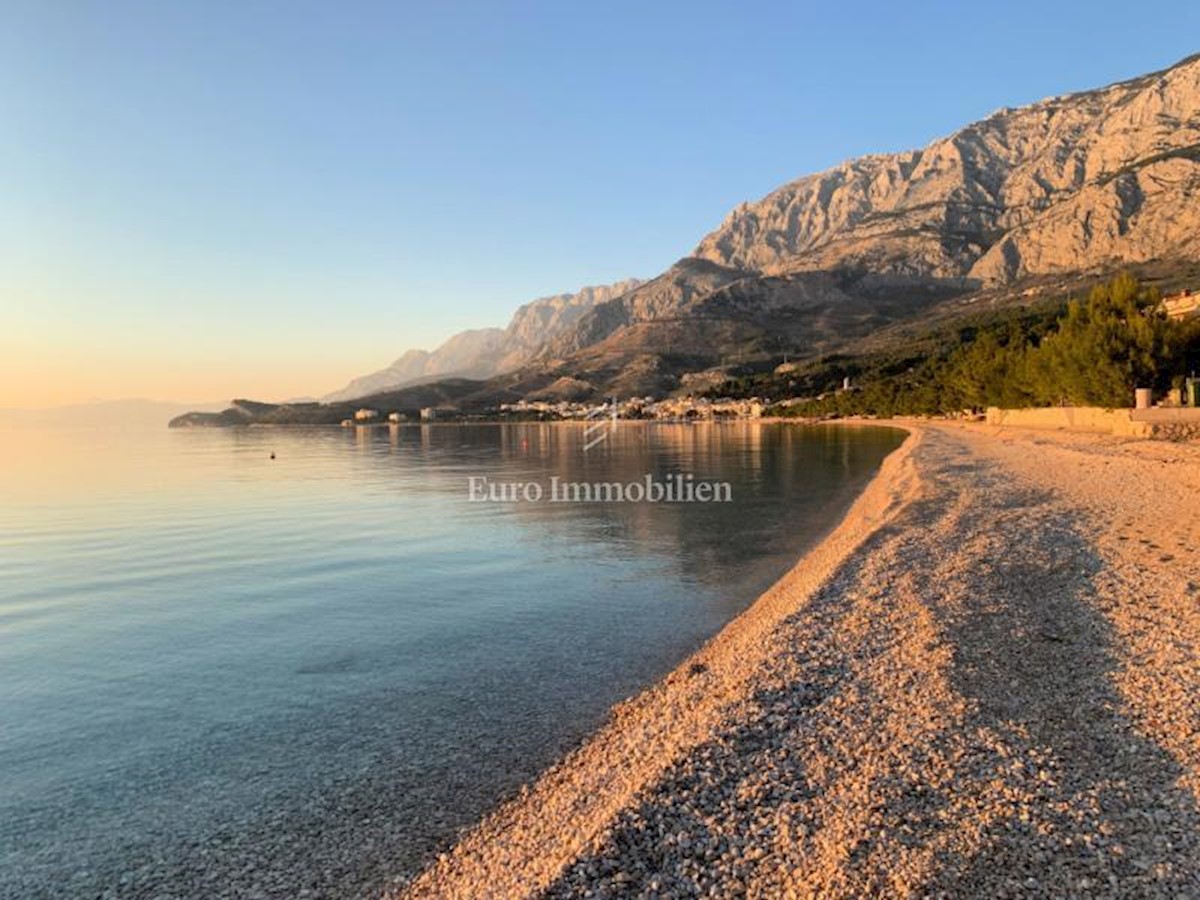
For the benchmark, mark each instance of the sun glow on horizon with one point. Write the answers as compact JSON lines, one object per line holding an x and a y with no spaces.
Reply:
{"x":38,"y":376}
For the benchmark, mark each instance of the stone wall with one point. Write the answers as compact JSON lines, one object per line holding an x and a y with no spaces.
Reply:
{"x":1177,"y":424}
{"x":1161,"y":424}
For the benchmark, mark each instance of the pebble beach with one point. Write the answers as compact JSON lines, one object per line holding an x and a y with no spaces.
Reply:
{"x":983,"y":682}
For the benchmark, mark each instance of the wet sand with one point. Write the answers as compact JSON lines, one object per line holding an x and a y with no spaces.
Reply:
{"x":985,"y":682}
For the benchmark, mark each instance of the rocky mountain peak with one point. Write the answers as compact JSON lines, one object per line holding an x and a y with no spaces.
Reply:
{"x":1077,"y":181}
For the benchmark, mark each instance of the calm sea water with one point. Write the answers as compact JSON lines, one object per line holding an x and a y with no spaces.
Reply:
{"x":222,"y":670}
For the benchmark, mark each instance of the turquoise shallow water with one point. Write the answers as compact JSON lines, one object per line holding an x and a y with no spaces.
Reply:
{"x":223,"y":672}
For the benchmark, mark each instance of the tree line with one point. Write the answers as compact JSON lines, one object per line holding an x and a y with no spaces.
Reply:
{"x":1094,"y":353}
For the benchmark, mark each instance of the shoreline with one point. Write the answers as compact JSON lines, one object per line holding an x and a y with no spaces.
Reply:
{"x":519,"y":848}
{"x":980,"y":682}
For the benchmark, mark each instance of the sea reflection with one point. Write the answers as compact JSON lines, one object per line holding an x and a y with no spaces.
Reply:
{"x":739,"y":544}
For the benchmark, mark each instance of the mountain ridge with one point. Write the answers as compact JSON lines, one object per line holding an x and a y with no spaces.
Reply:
{"x":991,"y":180}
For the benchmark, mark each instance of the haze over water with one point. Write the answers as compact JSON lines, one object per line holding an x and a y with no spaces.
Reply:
{"x":218,"y":668}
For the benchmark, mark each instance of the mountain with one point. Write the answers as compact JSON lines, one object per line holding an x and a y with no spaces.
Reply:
{"x":1076,"y":184}
{"x":483,"y":352}
{"x":1021,"y":206}
{"x":1084,"y":181}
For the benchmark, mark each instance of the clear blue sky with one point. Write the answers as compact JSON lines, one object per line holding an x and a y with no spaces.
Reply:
{"x":267,"y":198}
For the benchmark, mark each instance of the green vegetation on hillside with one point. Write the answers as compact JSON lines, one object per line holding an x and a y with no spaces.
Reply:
{"x":1088,"y":353}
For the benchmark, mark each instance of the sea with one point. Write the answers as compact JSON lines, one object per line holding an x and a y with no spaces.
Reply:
{"x":287,"y":662}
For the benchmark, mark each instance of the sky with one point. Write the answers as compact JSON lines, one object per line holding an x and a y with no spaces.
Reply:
{"x":203,"y":200}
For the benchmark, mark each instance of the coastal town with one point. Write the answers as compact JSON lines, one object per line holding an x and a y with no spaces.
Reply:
{"x":673,"y":409}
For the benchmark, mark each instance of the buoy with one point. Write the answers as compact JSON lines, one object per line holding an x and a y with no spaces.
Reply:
{"x":272,"y":454}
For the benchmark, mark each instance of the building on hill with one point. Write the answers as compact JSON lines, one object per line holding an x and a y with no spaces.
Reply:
{"x":1182,"y":305}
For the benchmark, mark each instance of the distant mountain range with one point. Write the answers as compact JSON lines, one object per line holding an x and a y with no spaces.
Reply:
{"x":484,"y":352}
{"x":1026,"y":200}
